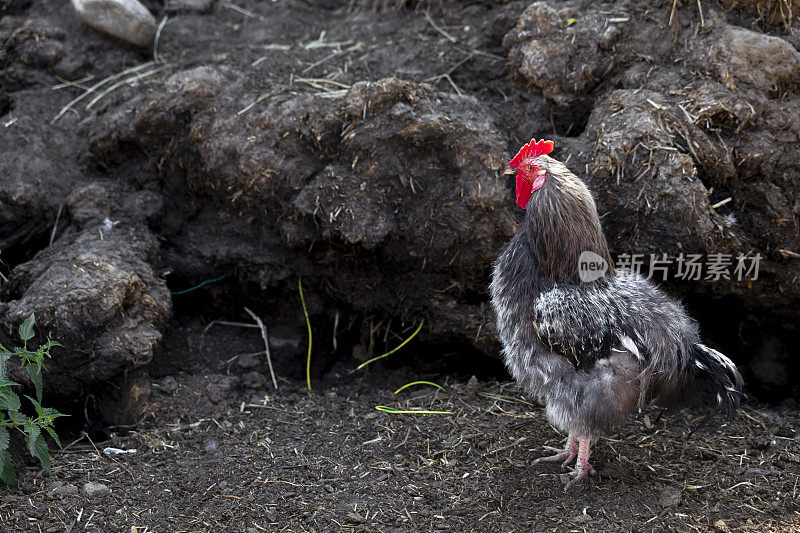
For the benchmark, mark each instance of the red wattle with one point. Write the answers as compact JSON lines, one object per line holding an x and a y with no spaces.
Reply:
{"x":524,"y":191}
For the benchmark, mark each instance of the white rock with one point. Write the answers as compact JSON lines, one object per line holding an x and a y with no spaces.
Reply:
{"x":128,"y":20}
{"x":93,"y":489}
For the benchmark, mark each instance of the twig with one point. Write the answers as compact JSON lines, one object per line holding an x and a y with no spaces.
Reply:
{"x":55,"y":225}
{"x":702,"y":19}
{"x":308,"y":325}
{"x":66,"y":83}
{"x":238,"y":9}
{"x":158,"y":36}
{"x":721,"y":203}
{"x":314,"y":82}
{"x":101,"y":456}
{"x":440,"y":30}
{"x":507,"y":446}
{"x":250,"y":106}
{"x":97,"y":86}
{"x":321,"y":61}
{"x":365,"y":363}
{"x":123,"y":82}
{"x":447,"y":76}
{"x":702,"y":423}
{"x":226,"y":323}
{"x":266,"y":344}
{"x":335,"y":327}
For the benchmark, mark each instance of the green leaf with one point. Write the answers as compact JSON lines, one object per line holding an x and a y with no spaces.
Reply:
{"x":50,"y":414}
{"x":7,"y":469}
{"x":32,"y":432}
{"x":8,"y":383}
{"x":4,"y":357}
{"x":9,"y":400}
{"x":17,"y":419}
{"x":49,"y":344}
{"x":35,"y":372}
{"x":571,"y":21}
{"x":26,"y":328}
{"x":41,"y":452}
{"x":53,"y":434}
{"x":37,"y":406}
{"x":5,"y":439}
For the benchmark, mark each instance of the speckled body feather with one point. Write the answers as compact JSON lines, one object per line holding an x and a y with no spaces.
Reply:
{"x":593,"y":352}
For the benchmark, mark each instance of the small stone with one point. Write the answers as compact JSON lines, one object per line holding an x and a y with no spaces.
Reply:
{"x":248,"y":361}
{"x":94,"y":489}
{"x":67,"y":490}
{"x":582,"y":519}
{"x":211,"y":445}
{"x":169,"y":385}
{"x":472,"y":386}
{"x":254,"y":380}
{"x":354,"y":518}
{"x":128,"y":20}
{"x":721,"y":526}
{"x":219,"y":387}
{"x":551,"y":511}
{"x":329,"y":488}
{"x":57,"y":489}
{"x":670,"y":497}
{"x":359,"y":352}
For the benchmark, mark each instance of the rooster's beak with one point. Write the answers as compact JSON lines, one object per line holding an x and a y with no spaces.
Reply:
{"x":510,"y":171}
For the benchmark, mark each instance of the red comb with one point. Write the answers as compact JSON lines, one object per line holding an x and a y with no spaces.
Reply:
{"x":532,"y":149}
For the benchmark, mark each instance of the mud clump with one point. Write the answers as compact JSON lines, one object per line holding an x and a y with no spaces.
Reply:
{"x":309,"y":142}
{"x":396,"y":181}
{"x":96,"y":292}
{"x":687,"y":141}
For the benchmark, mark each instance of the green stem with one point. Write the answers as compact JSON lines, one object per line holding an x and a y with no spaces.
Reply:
{"x":308,"y":325}
{"x":362,"y":365}
{"x":407,"y":385}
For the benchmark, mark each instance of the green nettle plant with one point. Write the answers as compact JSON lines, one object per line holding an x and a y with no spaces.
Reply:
{"x":10,"y":416}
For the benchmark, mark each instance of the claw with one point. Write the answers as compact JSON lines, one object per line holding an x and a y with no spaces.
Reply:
{"x":582,"y":466}
{"x":567,"y":455}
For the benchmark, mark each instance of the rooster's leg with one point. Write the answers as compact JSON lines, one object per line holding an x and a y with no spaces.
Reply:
{"x":582,"y":466}
{"x":566,"y":455}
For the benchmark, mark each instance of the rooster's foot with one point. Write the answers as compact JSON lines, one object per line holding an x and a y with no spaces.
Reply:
{"x":582,"y":466}
{"x":567,"y":455}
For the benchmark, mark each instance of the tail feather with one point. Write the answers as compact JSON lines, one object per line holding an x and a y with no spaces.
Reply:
{"x":723,"y":375}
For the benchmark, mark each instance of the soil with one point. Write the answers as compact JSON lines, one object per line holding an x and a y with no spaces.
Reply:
{"x":211,"y":456}
{"x":357,"y":146}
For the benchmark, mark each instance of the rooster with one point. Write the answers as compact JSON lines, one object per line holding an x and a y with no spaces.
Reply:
{"x":591,"y":351}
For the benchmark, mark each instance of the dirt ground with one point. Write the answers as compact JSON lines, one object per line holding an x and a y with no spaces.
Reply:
{"x":175,"y":157}
{"x":211,"y":457}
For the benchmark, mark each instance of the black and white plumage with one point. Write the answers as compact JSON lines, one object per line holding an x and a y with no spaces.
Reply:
{"x":591,"y":352}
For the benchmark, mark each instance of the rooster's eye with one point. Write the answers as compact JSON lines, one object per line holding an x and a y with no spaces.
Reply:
{"x":528,"y":168}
